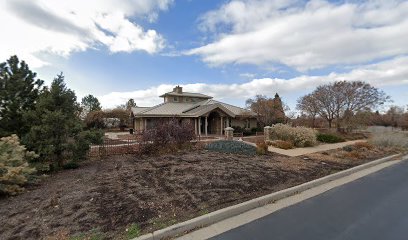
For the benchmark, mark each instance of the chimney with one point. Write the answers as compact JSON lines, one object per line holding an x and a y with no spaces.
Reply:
{"x":178,"y":89}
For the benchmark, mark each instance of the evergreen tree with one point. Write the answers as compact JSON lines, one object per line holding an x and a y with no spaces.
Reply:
{"x":19,"y":90}
{"x":57,"y":132}
{"x":90,"y":103}
{"x":130,"y":104}
{"x":278,"y":111}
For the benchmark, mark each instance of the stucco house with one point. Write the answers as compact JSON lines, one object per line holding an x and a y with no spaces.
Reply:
{"x":205,"y":114}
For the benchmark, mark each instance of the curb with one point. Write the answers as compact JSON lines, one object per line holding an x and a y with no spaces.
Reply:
{"x":234,"y":210}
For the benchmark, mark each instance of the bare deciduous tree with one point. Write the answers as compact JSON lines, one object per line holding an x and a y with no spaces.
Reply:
{"x":269,"y":110}
{"x":341,"y":101}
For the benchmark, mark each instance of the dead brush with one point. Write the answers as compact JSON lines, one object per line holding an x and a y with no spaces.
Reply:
{"x":363,"y":145}
{"x":283,"y":144}
{"x":355,"y":154}
{"x":261,"y":147}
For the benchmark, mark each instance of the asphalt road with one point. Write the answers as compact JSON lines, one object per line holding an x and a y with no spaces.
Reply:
{"x":372,"y":207}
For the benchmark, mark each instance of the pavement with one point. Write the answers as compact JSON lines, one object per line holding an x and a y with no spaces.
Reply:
{"x":308,"y":150}
{"x":372,"y":207}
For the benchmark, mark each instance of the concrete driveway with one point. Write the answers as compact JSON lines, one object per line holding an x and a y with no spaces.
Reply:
{"x":372,"y":207}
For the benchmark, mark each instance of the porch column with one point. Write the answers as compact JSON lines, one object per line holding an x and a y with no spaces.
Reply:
{"x":199,"y":126}
{"x":145,"y":124}
{"x":206,"y":126}
{"x":195,"y":126}
{"x":222,"y":123}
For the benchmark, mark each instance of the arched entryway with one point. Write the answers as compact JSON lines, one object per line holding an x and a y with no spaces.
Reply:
{"x":214,"y":123}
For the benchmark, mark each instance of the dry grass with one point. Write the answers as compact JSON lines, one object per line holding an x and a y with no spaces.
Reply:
{"x":390,"y":139}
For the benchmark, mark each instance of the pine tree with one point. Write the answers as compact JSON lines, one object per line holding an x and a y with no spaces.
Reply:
{"x":130,"y":104}
{"x":14,"y":168}
{"x":89,"y":104}
{"x":57,"y":132}
{"x":19,"y":90}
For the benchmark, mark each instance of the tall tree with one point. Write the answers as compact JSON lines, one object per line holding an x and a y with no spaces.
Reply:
{"x":57,"y":132}
{"x":308,"y":105}
{"x":19,"y":90}
{"x":89,"y":104}
{"x":130,"y":104}
{"x":341,"y":100}
{"x":269,"y":110}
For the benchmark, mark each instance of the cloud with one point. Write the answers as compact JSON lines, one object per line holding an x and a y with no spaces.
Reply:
{"x":304,"y":35}
{"x":392,"y":72}
{"x":61,"y":27}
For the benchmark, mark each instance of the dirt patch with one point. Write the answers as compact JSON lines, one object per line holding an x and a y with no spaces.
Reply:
{"x":107,"y":196}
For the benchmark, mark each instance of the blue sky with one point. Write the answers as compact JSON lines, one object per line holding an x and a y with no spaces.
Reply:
{"x":232,"y":50}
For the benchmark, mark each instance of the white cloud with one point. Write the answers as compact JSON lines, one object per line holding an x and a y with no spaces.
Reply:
{"x":63,"y":27}
{"x":304,"y":36}
{"x":386,"y":73}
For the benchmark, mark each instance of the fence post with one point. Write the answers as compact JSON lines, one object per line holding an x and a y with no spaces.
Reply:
{"x":229,"y":133}
{"x":267,"y":133}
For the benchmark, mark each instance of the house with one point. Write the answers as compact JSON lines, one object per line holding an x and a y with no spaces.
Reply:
{"x":205,"y":114}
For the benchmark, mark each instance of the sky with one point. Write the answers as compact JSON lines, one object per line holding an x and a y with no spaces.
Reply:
{"x":231,"y":49}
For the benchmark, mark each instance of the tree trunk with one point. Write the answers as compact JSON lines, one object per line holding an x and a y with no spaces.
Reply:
{"x":330,"y":123}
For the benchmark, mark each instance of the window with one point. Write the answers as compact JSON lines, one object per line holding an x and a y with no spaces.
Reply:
{"x":175,"y":99}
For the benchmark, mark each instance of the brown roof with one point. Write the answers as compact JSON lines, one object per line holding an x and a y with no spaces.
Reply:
{"x":183,"y":109}
{"x":186,"y":94}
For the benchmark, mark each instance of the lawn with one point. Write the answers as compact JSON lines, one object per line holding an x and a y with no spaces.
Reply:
{"x":119,"y":196}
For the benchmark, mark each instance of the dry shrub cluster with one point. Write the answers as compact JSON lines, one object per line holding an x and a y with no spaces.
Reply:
{"x":282,"y":144}
{"x":357,"y":150}
{"x":14,"y":168}
{"x":261,"y":147}
{"x":167,"y":136}
{"x":298,"y":136}
{"x":390,"y":139}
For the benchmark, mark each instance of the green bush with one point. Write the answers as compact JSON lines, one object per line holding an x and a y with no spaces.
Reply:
{"x":70,"y":165}
{"x":348,"y":148}
{"x":227,"y":146}
{"x":14,"y":168}
{"x":329,"y":138}
{"x":298,"y":136}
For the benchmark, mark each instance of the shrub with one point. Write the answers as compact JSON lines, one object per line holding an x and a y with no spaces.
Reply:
{"x":390,"y":139}
{"x":299,"y":136}
{"x":329,"y":138}
{"x":348,"y":148}
{"x":354,"y":155}
{"x":363,"y":145}
{"x":261,"y":147}
{"x":244,"y":131}
{"x":95,"y":119}
{"x":283,"y":144}
{"x":14,"y":168}
{"x":227,"y":146}
{"x":71,"y":165}
{"x":168,"y":135}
